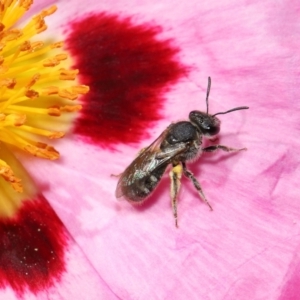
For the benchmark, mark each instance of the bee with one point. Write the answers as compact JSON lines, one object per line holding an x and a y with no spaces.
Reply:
{"x":178,"y":144}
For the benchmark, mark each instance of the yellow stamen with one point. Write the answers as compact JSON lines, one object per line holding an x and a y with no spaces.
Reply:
{"x":35,"y":89}
{"x":7,"y":173}
{"x":11,"y":172}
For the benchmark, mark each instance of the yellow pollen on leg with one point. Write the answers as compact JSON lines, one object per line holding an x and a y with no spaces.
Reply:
{"x":37,"y":88}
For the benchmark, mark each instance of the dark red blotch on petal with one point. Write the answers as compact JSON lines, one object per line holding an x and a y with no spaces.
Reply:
{"x":128,"y":69}
{"x":32,"y":247}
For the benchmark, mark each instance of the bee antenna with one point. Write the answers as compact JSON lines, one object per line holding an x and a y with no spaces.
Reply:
{"x":234,"y":109}
{"x":207,"y":93}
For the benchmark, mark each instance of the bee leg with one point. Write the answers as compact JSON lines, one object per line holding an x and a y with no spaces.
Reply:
{"x":221,"y":147}
{"x":114,"y":175}
{"x":196,"y":184}
{"x":175,"y":176}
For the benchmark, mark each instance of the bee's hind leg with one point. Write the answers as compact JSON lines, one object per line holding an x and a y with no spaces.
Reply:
{"x":175,"y":176}
{"x":196,"y":184}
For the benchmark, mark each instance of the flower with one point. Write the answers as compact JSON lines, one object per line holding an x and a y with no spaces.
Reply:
{"x":36,"y":94}
{"x":34,"y":86}
{"x":247,"y":248}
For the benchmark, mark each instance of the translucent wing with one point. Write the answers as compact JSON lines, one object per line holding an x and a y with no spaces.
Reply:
{"x":148,"y":161}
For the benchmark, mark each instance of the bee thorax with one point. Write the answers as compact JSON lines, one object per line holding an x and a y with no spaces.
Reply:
{"x":181,"y":132}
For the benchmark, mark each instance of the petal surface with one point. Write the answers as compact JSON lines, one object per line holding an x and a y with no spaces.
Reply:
{"x":247,"y":248}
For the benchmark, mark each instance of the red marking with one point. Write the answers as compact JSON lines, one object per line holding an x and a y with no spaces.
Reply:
{"x":32,"y":246}
{"x":128,"y":70}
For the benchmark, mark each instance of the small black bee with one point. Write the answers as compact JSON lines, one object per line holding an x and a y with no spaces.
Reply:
{"x":179,"y":143}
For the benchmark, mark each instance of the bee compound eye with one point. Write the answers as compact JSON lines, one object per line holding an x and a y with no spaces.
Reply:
{"x":210,"y":126}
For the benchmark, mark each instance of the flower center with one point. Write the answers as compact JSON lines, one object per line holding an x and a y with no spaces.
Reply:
{"x":37,"y":89}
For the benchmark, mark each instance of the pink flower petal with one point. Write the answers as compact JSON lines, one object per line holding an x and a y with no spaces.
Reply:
{"x":247,"y":248}
{"x":39,"y":259}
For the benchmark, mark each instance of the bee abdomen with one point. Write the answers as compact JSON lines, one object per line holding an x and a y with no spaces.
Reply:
{"x":142,"y":187}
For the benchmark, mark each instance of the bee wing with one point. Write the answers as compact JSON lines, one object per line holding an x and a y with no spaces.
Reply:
{"x":155,"y":146}
{"x":160,"y":157}
{"x":148,"y":160}
{"x":141,"y":162}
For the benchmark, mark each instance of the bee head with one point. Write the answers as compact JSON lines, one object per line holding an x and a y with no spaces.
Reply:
{"x":209,"y":125}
